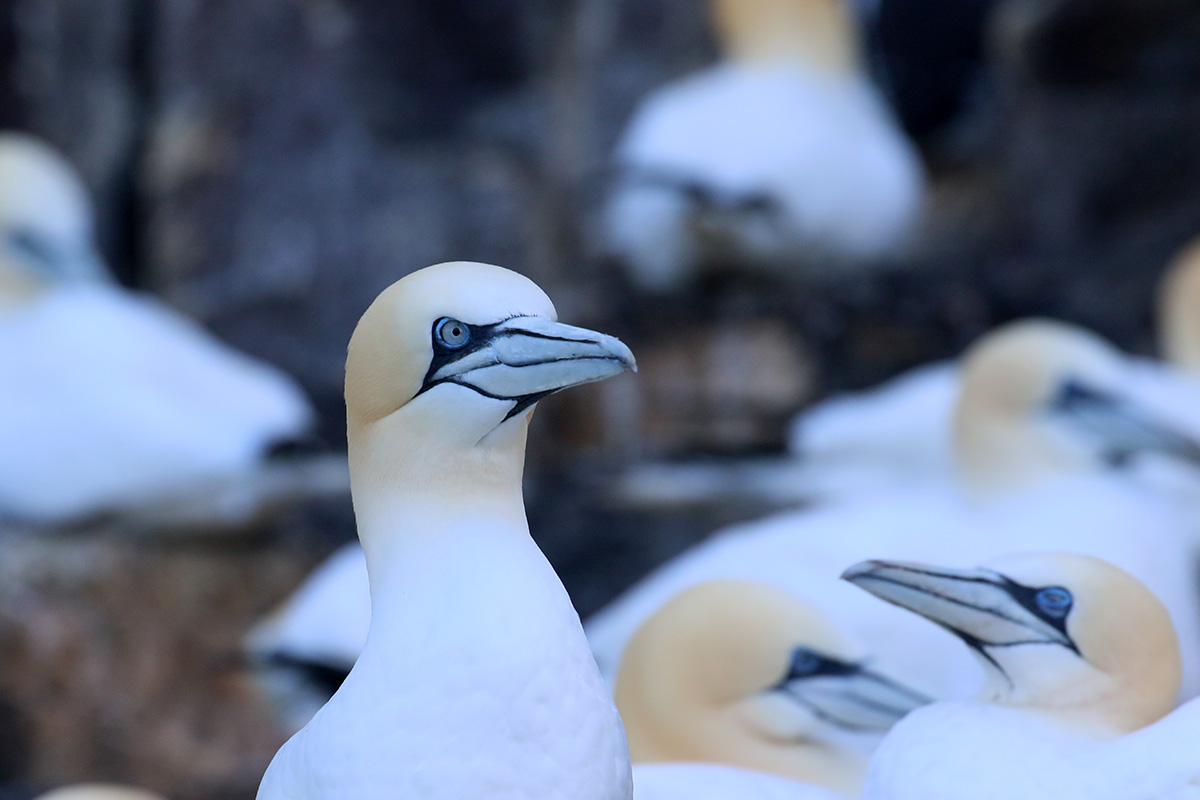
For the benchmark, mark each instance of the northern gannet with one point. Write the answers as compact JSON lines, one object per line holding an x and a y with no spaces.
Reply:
{"x":476,"y":680}
{"x":99,"y":791}
{"x":1040,"y":423}
{"x":1082,"y":664}
{"x":783,"y":152}
{"x":898,"y":434}
{"x":109,"y":398}
{"x":744,"y":674}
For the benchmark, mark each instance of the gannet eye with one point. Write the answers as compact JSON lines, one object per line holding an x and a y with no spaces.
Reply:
{"x":1054,"y":601}
{"x":451,"y":332}
{"x":31,"y":245}
{"x":805,"y":662}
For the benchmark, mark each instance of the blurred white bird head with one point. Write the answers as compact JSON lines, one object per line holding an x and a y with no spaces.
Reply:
{"x":1065,"y":635}
{"x":46,"y":234}
{"x":1041,"y":399}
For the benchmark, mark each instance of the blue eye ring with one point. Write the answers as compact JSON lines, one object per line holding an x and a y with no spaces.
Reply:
{"x":452,"y":333}
{"x":1054,"y":601}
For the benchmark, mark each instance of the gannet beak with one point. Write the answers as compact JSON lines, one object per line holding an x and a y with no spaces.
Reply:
{"x":846,"y":694}
{"x":1121,"y":427}
{"x":984,"y":608}
{"x":51,"y":257}
{"x":526,"y":358}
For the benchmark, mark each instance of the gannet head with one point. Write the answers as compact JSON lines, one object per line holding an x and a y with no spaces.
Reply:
{"x":1042,"y":398}
{"x":818,"y":33}
{"x":1179,"y":309}
{"x":1065,"y":635}
{"x":45,"y":221}
{"x":743,"y":673}
{"x":99,"y":791}
{"x":442,"y":372}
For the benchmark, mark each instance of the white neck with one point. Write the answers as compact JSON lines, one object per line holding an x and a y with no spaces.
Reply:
{"x":411,"y":486}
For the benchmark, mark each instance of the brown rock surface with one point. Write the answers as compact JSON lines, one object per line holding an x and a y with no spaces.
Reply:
{"x":122,"y":657}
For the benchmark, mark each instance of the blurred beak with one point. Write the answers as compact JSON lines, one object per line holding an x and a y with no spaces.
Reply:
{"x":853,"y":698}
{"x":1122,"y":429}
{"x":981,"y":606}
{"x":526,"y":358}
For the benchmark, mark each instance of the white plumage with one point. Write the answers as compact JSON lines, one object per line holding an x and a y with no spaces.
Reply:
{"x":109,"y":399}
{"x":971,"y":751}
{"x":717,"y":782}
{"x":326,"y":619}
{"x":765,"y":159}
{"x":476,"y":679}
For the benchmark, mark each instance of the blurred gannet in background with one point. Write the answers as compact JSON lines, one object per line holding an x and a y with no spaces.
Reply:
{"x":1082,"y":665}
{"x":109,"y":398}
{"x":782,"y":153}
{"x":899,"y":433}
{"x":476,"y":679}
{"x":1040,"y":423}
{"x":304,"y":649}
{"x":99,"y":791}
{"x":743,"y":674}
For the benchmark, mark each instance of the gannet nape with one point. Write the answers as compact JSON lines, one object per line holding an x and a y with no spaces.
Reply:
{"x":816,"y":33}
{"x":1178,"y":317}
{"x":1083,"y":666}
{"x":745,"y":674}
{"x":476,"y":679}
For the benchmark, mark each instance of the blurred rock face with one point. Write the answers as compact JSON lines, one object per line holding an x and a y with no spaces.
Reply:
{"x":122,"y":658}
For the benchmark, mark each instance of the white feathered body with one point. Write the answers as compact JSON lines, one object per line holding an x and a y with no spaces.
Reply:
{"x":806,"y":551}
{"x":476,"y":682}
{"x":108,"y":398}
{"x":977,"y":751}
{"x":693,"y":781}
{"x":842,"y":179}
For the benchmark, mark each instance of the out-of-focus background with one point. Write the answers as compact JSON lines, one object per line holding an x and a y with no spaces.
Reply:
{"x":266,"y":167}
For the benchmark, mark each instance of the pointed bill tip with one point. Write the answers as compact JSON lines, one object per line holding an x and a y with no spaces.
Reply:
{"x":863,"y":568}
